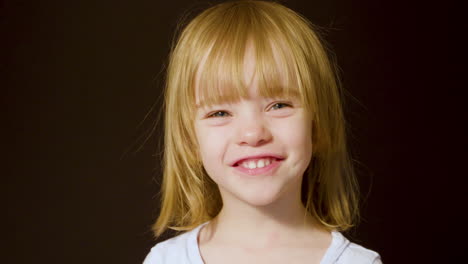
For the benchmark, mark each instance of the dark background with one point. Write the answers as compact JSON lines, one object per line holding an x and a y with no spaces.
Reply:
{"x":79,"y":77}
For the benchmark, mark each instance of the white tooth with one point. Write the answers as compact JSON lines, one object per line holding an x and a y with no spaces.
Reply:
{"x":261,"y":163}
{"x":245,"y":164}
{"x":252,"y":164}
{"x":267,"y":162}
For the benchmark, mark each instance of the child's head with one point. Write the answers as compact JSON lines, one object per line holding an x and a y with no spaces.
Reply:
{"x":248,"y":78}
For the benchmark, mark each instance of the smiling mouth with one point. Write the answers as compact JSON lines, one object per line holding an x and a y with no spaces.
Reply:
{"x":256,"y":163}
{"x":258,"y":167}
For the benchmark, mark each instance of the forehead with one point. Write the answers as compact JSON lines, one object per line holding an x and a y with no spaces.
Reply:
{"x":252,"y":71}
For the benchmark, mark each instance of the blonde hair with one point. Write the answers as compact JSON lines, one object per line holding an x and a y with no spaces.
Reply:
{"x":290,"y":60}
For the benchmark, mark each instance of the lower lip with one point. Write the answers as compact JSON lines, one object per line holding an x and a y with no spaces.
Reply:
{"x":259,"y":171}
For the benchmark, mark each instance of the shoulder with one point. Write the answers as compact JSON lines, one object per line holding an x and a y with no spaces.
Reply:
{"x":345,"y":252}
{"x":179,"y":249}
{"x":358,"y":254}
{"x":169,"y":251}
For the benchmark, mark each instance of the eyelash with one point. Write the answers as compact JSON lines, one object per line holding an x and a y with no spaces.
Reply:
{"x":212,"y":115}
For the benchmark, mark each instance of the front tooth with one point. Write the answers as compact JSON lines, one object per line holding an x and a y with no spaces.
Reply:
{"x":252,"y":164}
{"x":267,"y":162}
{"x":261,"y":163}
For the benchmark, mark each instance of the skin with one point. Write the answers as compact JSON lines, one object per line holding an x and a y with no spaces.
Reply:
{"x":262,"y":219}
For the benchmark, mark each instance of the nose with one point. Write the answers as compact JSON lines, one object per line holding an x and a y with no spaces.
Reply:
{"x":253,"y":131}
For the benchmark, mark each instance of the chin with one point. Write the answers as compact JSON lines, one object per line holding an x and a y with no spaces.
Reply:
{"x":257,"y":198}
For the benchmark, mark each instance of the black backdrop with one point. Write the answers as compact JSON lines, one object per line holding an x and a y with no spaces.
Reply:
{"x":80,"y":76}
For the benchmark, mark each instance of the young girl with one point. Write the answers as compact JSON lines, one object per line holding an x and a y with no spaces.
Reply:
{"x":256,"y":168}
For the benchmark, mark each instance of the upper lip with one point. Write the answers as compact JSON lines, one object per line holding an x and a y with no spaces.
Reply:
{"x":259,"y":156}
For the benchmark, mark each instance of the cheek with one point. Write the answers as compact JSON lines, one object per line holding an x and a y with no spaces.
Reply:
{"x":296,"y":133}
{"x":212,"y":143}
{"x":296,"y":136}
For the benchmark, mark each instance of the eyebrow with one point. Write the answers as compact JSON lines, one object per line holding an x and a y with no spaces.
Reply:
{"x":202,"y":103}
{"x":221,"y":100}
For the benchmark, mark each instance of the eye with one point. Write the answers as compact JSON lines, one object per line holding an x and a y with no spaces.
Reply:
{"x":218,"y":114}
{"x":280,"y":105}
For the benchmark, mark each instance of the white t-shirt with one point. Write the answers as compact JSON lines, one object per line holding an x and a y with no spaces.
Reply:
{"x":184,"y":249}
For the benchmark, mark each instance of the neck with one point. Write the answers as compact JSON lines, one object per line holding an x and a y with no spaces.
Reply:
{"x":284,"y":221}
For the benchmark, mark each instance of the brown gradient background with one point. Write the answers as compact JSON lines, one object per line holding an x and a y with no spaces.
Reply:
{"x":78,"y":78}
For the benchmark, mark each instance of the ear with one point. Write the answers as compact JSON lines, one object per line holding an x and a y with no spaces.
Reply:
{"x":195,"y":145}
{"x":197,"y":153}
{"x":314,"y":138}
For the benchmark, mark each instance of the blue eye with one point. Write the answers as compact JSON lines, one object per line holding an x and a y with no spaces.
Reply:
{"x":280,"y":105}
{"x":218,"y":114}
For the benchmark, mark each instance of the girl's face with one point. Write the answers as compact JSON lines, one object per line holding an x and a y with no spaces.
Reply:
{"x":256,"y":149}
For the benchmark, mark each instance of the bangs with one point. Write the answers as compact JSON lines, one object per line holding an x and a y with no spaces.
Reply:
{"x":220,"y":74}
